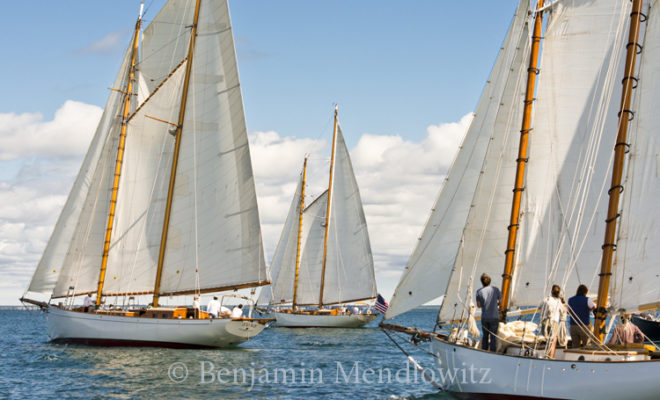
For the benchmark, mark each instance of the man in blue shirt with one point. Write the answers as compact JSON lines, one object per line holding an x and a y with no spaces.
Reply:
{"x":488,"y":299}
{"x":580,"y":307}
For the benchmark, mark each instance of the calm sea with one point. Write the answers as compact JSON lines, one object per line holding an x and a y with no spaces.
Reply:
{"x":278,"y":364}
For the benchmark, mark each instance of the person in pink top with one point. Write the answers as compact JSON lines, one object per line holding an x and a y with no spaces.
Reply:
{"x":626,"y":332}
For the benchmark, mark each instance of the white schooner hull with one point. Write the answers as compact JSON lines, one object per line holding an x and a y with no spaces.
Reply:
{"x":113,"y":330}
{"x":290,"y":320}
{"x":483,"y":375}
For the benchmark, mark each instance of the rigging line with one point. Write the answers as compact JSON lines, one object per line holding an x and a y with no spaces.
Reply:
{"x":414,"y":362}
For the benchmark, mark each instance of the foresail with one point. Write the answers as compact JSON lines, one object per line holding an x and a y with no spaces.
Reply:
{"x":73,"y":255}
{"x":283,"y":265}
{"x":349,"y":273}
{"x":574,"y":131}
{"x":214,"y":225}
{"x":309,"y":278}
{"x":636,"y":276}
{"x":429,"y":270}
{"x":143,"y":184}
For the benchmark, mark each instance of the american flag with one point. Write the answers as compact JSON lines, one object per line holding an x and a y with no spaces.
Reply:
{"x":381,"y":305}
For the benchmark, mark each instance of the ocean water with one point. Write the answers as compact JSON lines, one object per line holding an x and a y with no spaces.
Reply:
{"x":278,"y":364}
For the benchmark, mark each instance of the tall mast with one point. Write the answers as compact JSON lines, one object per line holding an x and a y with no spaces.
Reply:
{"x":327,"y":211}
{"x":620,"y":149}
{"x":175,"y":157}
{"x":532,"y":71}
{"x":300,"y":222}
{"x":128,"y":94}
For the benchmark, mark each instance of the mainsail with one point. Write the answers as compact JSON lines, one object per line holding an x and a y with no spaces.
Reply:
{"x":349,"y":271}
{"x":636,"y":277}
{"x":214,"y":241}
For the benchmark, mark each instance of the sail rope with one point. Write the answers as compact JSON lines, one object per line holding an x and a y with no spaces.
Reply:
{"x":414,"y":362}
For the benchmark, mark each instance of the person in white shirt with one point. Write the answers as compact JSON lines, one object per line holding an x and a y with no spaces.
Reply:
{"x":356,"y":310}
{"x":88,"y":303}
{"x":553,"y":319}
{"x":196,"y":307}
{"x":214,"y":307}
{"x":237,"y":312}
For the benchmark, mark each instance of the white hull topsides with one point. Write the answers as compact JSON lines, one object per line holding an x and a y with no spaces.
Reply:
{"x":98,"y":329}
{"x":480,"y":374}
{"x":291,"y":320}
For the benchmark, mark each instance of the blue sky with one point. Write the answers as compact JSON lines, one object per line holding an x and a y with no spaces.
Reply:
{"x":402,"y":72}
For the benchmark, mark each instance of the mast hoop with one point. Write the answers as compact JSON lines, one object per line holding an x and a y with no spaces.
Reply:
{"x":639,"y":46}
{"x":632,"y":114}
{"x":536,"y":71}
{"x":643,"y":17}
{"x":613,"y":246}
{"x":613,"y":218}
{"x":620,"y":187}
{"x":627,"y":145}
{"x":635,"y":79}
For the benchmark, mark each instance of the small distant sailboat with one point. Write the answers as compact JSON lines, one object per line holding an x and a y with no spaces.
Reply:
{"x":597,"y":79}
{"x":165,"y":202}
{"x":324,"y":257}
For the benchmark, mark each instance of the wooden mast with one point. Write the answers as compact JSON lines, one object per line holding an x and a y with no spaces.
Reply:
{"x":175,"y":157}
{"x":532,"y":71}
{"x":327,"y":211}
{"x":300,"y":222}
{"x":620,"y":149}
{"x":128,"y":94}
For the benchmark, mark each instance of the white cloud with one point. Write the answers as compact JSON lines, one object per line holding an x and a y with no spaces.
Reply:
{"x":399,"y":181}
{"x":109,"y":43}
{"x":68,"y":134}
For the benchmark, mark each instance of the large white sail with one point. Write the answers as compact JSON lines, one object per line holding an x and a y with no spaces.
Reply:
{"x":73,"y":255}
{"x":311,"y":262}
{"x":574,"y":128}
{"x":429,"y":270}
{"x":349,"y":271}
{"x":282,"y":267}
{"x":214,"y":224}
{"x":142,"y":192}
{"x":636,"y":281}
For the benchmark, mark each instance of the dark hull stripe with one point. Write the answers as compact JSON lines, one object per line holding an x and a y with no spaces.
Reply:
{"x":492,"y":396}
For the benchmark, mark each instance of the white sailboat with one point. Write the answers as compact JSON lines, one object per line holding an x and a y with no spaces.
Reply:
{"x":562,"y":166}
{"x":164,"y":203}
{"x":324,"y":256}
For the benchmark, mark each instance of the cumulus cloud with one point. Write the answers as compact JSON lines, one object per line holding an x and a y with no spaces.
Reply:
{"x":68,"y":134}
{"x":399,"y":181}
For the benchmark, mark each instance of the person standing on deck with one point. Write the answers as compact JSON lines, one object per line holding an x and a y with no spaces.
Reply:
{"x":488,"y":299}
{"x":88,"y":303}
{"x":580,"y":307}
{"x":214,"y":307}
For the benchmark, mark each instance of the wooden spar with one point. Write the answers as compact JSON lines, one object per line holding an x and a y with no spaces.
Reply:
{"x":128,"y":94}
{"x":616,"y":188}
{"x":300,"y":222}
{"x":532,"y":71}
{"x":327,"y":211}
{"x":175,"y":157}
